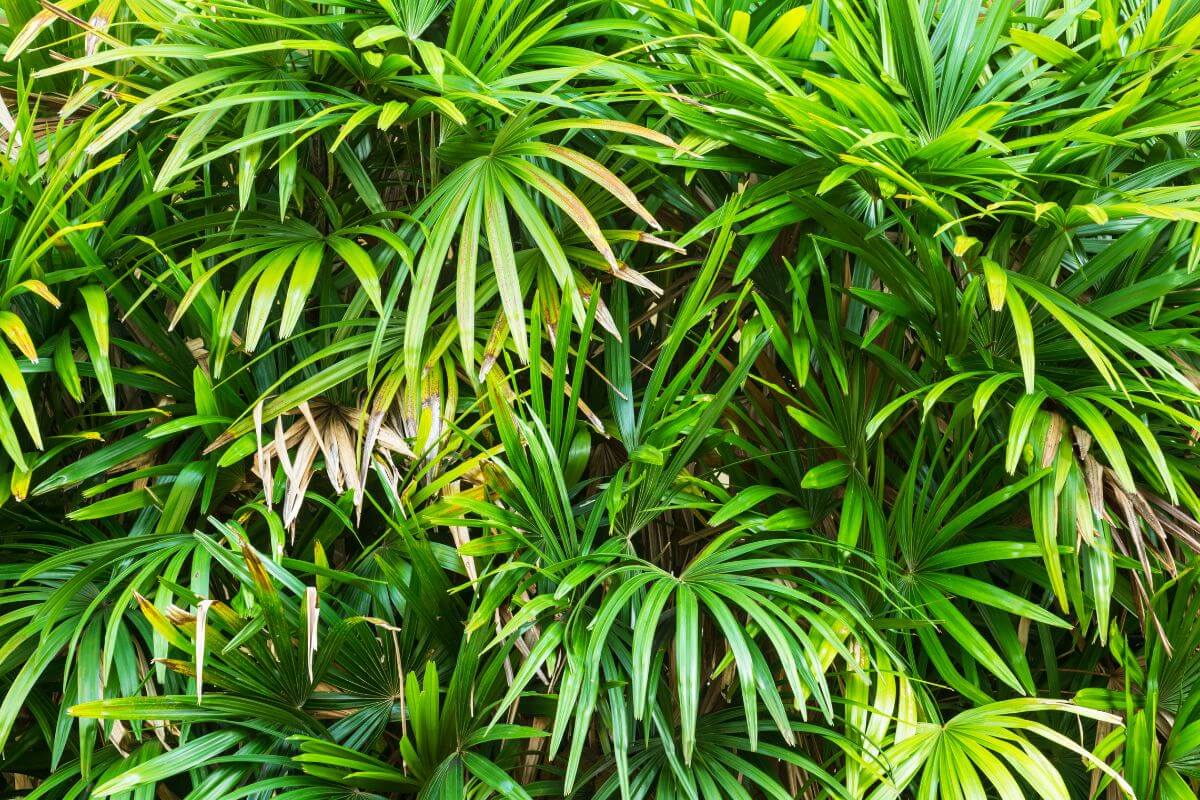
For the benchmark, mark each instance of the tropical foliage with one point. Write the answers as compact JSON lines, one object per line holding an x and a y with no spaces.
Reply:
{"x":654,"y":399}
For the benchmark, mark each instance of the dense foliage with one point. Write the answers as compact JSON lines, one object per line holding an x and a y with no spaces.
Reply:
{"x":654,"y":399}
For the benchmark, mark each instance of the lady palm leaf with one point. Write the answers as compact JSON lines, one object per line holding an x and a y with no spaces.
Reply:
{"x":617,"y":400}
{"x":981,"y":747}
